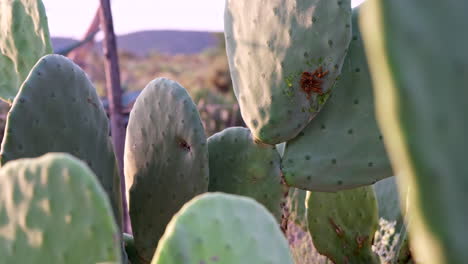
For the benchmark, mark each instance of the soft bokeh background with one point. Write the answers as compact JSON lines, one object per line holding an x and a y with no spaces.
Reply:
{"x":70,"y":18}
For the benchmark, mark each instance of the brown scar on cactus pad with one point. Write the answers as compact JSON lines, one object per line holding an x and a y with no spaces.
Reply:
{"x":311,"y":82}
{"x":183,"y":144}
{"x":337,"y":228}
{"x":90,"y":101}
{"x":360,"y":241}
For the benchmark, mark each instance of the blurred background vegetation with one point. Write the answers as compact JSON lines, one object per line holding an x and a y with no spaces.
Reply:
{"x":203,"y":71}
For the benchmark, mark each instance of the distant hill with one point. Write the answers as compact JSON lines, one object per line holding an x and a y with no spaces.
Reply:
{"x":163,"y":41}
{"x":60,"y":43}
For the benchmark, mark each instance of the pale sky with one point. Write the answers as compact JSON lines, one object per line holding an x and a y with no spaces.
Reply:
{"x":71,"y":18}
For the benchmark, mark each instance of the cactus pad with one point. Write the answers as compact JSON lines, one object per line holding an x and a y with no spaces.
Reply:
{"x":130,"y":249}
{"x":297,"y":208}
{"x":239,"y":165}
{"x":284,"y":57}
{"x":342,"y":224}
{"x":386,"y":192}
{"x":342,"y":147}
{"x":418,"y":56}
{"x":390,"y":242}
{"x":166,"y":160}
{"x":223,"y":228}
{"x":24,"y":39}
{"x":53,"y":210}
{"x":57,"y":110}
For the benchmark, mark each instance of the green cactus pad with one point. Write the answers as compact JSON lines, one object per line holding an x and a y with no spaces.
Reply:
{"x":131,"y":250}
{"x":271,"y":45}
{"x":223,"y":228}
{"x":166,"y":160}
{"x":24,"y":39}
{"x":342,"y":147}
{"x":342,"y":224}
{"x":390,"y":242}
{"x":388,"y":200}
{"x":239,"y":165}
{"x":297,"y":208}
{"x":53,"y":210}
{"x":57,"y":110}
{"x":418,"y":56}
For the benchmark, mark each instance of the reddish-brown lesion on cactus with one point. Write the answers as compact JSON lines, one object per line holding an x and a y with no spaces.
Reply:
{"x":311,"y":82}
{"x":360,"y":240}
{"x":339,"y":231}
{"x":184,"y":145}
{"x":90,"y":101}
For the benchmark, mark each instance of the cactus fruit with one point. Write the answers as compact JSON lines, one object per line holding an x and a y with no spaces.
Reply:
{"x":342,"y":224}
{"x":24,"y":39}
{"x":166,"y":160}
{"x":239,"y":165}
{"x":342,"y":147}
{"x":284,"y":57}
{"x":57,"y":110}
{"x":418,"y":58}
{"x":223,"y":228}
{"x":53,"y":210}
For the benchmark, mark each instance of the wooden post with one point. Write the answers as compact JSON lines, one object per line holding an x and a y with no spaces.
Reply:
{"x":114,"y":95}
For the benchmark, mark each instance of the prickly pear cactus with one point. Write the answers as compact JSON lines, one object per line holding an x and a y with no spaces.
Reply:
{"x":388,"y":199}
{"x":166,"y":160}
{"x":53,"y":210}
{"x":390,"y":241}
{"x":418,"y":56}
{"x":239,"y":165}
{"x":130,"y":249}
{"x":342,"y":224}
{"x":223,"y":228}
{"x":57,"y":110}
{"x":284,"y":57}
{"x":297,"y":208}
{"x":295,"y":202}
{"x":24,"y":39}
{"x":342,"y":147}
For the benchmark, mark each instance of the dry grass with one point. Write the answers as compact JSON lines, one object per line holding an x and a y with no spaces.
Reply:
{"x":204,"y":75}
{"x":302,"y":248}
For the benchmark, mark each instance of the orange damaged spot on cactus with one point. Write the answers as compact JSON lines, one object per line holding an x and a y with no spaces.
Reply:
{"x":311,"y":82}
{"x":360,"y":241}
